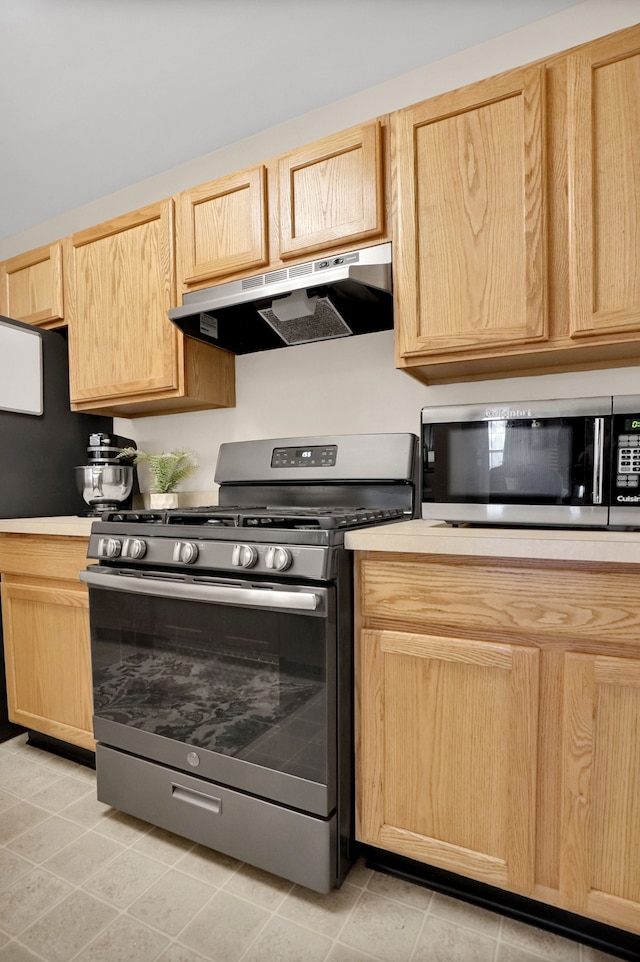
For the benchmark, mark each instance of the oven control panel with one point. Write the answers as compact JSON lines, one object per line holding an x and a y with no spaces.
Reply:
{"x":314,"y":456}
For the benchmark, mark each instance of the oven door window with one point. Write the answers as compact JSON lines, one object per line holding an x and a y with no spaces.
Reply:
{"x":255,"y":684}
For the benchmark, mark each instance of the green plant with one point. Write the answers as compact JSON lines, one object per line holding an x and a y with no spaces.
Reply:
{"x":166,"y":470}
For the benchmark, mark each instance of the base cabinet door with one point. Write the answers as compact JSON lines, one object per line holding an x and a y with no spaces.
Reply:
{"x":45,"y":618}
{"x":446,"y":753}
{"x":600,"y":838}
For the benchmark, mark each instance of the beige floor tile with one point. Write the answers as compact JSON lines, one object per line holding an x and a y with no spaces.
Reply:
{"x":442,"y":941}
{"x":465,"y":914}
{"x":345,"y":953}
{"x":287,"y":942}
{"x":7,"y":800}
{"x":180,"y":953}
{"x":208,"y":865}
{"x":125,"y":878}
{"x":17,"y":953}
{"x":164,"y":846}
{"x":68,"y":927}
{"x":395,"y":888}
{"x":260,"y":887}
{"x":388,"y":926}
{"x":22,"y":777}
{"x":359,"y":874}
{"x":539,"y":942}
{"x":12,"y":867}
{"x":125,"y":940}
{"x":122,"y":827}
{"x":18,"y":819}
{"x":29,"y":898}
{"x":224,"y":928}
{"x":83,"y":857}
{"x":87,"y":811}
{"x":325,"y":914}
{"x":171,"y":902}
{"x":62,"y":792}
{"x":45,"y":838}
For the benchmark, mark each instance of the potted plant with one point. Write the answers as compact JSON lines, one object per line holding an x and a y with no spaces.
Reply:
{"x":166,"y":471}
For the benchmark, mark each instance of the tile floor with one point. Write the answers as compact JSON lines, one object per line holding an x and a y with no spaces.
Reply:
{"x":80,"y":881}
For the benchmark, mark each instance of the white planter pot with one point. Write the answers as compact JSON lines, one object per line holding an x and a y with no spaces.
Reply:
{"x":158,"y":501}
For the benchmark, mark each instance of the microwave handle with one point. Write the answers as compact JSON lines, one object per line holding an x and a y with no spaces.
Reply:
{"x":598,"y":459}
{"x":211,"y":593}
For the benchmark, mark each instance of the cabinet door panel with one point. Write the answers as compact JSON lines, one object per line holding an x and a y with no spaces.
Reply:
{"x":31,"y":287}
{"x":447,"y":753}
{"x":222,"y":227}
{"x":604,"y":194}
{"x":48,"y":660}
{"x":601,"y":805}
{"x":331,"y":192}
{"x":120,"y":283}
{"x":470,"y":240}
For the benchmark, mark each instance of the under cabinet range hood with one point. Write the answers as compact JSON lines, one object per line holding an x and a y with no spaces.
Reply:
{"x":335,"y":296}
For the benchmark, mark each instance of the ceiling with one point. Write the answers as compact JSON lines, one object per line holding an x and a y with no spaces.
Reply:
{"x":96,"y":95}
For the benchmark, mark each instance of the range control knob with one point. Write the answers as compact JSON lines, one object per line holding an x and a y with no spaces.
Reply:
{"x":185,"y":552}
{"x":109,"y":547}
{"x":278,"y":558}
{"x":244,"y":555}
{"x":134,"y":548}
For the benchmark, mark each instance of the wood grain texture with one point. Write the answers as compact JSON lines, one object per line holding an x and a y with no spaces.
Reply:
{"x":604,"y":185}
{"x":31,"y":287}
{"x":470,"y":238}
{"x":221,"y":227}
{"x":331,"y":191}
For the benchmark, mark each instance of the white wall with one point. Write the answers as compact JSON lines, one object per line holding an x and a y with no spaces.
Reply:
{"x":348,"y":385}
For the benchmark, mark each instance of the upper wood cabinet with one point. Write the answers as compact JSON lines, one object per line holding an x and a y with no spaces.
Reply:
{"x":125,"y":356}
{"x":332,"y":192}
{"x":517,"y":224}
{"x":324,"y":196}
{"x":31,"y":287}
{"x":604,"y":185}
{"x":222,"y":227}
{"x":470,"y":252}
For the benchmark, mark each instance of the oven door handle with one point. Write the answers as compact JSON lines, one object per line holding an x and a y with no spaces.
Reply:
{"x":211,"y":593}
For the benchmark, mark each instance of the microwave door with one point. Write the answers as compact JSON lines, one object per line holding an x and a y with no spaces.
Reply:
{"x":535,"y":470}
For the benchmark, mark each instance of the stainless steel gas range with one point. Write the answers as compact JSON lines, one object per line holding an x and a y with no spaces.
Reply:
{"x":222,"y":650}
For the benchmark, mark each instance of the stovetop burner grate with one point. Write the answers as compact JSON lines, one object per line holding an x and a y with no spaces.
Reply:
{"x":261,"y":517}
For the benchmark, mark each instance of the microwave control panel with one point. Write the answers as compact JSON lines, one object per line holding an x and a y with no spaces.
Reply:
{"x":628,"y":453}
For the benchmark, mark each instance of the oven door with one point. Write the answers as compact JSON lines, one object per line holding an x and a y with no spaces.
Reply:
{"x":233,"y":681}
{"x":533,"y":463}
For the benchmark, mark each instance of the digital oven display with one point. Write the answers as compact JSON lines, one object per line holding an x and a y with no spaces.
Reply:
{"x":316,"y":456}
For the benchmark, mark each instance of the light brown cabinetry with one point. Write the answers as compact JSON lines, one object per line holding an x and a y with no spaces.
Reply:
{"x":31,"y":287}
{"x":45,"y":613}
{"x":497,"y":706}
{"x":324,"y":196}
{"x":125,"y":356}
{"x":516,"y":237}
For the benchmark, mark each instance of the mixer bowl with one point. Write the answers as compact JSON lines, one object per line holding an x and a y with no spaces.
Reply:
{"x":105,"y":486}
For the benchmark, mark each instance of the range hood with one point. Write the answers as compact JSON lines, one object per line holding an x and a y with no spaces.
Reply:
{"x":336,"y":296}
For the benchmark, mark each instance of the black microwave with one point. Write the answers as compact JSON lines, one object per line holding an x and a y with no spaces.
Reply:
{"x":565,"y":463}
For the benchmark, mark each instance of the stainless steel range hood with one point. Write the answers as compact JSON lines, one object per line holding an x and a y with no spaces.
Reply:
{"x":336,"y":296}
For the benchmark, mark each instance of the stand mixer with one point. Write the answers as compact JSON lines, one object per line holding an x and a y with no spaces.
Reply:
{"x":107,"y":482}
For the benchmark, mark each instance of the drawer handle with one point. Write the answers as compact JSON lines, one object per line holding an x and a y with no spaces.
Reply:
{"x":191,"y":797}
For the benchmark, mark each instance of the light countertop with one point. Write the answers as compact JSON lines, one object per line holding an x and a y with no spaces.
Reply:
{"x":436,"y":537}
{"x":73,"y":526}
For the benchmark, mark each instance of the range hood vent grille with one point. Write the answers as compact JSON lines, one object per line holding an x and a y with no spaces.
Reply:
{"x":331,"y":297}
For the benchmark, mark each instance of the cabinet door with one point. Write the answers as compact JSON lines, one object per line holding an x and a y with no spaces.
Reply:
{"x":222,"y":228}
{"x":604,"y":185}
{"x":470,"y":235}
{"x":48,"y":662}
{"x":31,"y":287}
{"x":446,"y":753}
{"x":119,"y":286}
{"x":332,"y":192}
{"x":600,"y":834}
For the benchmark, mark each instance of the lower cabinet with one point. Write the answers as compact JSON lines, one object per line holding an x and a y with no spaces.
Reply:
{"x":498,"y":721}
{"x":45,"y":614}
